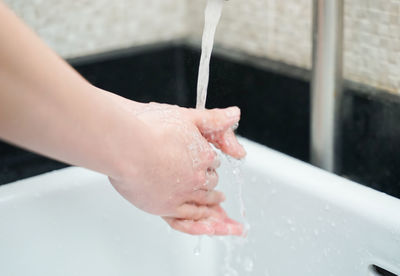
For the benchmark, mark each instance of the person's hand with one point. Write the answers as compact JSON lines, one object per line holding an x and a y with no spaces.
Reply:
{"x":177,"y":177}
{"x":156,"y":156}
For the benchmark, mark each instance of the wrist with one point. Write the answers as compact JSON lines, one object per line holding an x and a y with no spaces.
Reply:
{"x":127,"y":141}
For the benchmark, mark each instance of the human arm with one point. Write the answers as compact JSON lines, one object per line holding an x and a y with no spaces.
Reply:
{"x":48,"y":108}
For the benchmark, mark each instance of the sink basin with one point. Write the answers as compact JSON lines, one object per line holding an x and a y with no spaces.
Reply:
{"x":303,"y":221}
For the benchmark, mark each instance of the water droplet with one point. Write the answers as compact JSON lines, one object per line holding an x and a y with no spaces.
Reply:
{"x":236,"y":171}
{"x":327,"y":207}
{"x":289,"y":221}
{"x":248,"y":264}
{"x":316,"y":232}
{"x":197,"y":249}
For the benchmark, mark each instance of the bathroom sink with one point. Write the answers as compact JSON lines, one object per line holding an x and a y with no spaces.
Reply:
{"x":303,"y":221}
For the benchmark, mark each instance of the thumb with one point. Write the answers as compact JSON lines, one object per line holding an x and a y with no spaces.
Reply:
{"x":217,"y":125}
{"x":216,"y":120}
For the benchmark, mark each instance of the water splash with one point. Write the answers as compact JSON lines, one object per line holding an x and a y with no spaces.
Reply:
{"x":236,"y":166}
{"x":248,"y":264}
{"x":228,"y":269}
{"x":234,"y":245}
{"x":212,"y":16}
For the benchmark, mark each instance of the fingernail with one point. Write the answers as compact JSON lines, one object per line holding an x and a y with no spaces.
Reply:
{"x":232,"y":112}
{"x":242,"y":151}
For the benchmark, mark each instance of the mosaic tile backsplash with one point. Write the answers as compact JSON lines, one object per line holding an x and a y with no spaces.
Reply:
{"x":279,"y":30}
{"x":80,"y":27}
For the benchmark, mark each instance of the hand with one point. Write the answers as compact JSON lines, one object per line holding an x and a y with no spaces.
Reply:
{"x":218,"y":223}
{"x":177,"y":177}
{"x":157,"y":156}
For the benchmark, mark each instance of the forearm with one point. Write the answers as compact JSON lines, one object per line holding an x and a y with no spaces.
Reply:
{"x":47,"y":107}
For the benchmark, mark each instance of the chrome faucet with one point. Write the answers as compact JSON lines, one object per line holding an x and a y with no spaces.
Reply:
{"x":326,"y":84}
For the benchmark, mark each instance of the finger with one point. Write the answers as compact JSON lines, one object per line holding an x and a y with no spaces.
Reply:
{"x":211,"y":180}
{"x":211,"y":121}
{"x":223,"y":225}
{"x":216,"y":163}
{"x":210,"y":156}
{"x":228,"y":143}
{"x":193,"y":212}
{"x":222,"y":228}
{"x":210,"y":226}
{"x":222,"y":214}
{"x":204,"y":197}
{"x":190,"y":227}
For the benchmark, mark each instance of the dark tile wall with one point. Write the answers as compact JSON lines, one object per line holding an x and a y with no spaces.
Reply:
{"x":16,"y":164}
{"x":275,"y":110}
{"x":149,"y":75}
{"x":371,"y":140}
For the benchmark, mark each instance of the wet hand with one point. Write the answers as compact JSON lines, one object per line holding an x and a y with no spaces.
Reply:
{"x":177,"y":177}
{"x":216,"y":224}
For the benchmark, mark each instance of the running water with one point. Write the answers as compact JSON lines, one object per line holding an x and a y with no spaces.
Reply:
{"x":212,"y":16}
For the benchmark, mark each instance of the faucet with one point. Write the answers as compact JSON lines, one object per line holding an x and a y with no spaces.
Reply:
{"x":326,"y":83}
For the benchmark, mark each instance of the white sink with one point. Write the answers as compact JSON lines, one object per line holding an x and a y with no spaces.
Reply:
{"x":303,"y":221}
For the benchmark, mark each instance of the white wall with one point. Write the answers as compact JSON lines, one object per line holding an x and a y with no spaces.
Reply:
{"x":79,"y":27}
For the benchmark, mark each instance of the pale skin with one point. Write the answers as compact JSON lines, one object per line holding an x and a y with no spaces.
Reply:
{"x":157,"y":156}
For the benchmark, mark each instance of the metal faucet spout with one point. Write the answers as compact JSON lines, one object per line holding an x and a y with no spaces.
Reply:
{"x":326,"y":86}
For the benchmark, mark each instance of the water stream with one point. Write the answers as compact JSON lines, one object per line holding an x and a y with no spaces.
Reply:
{"x":211,"y":19}
{"x":212,"y":16}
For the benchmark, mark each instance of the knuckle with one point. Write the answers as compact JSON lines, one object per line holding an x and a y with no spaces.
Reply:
{"x":181,"y":212}
{"x":201,"y":196}
{"x":210,"y":155}
{"x":199,"y":214}
{"x":203,"y":212}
